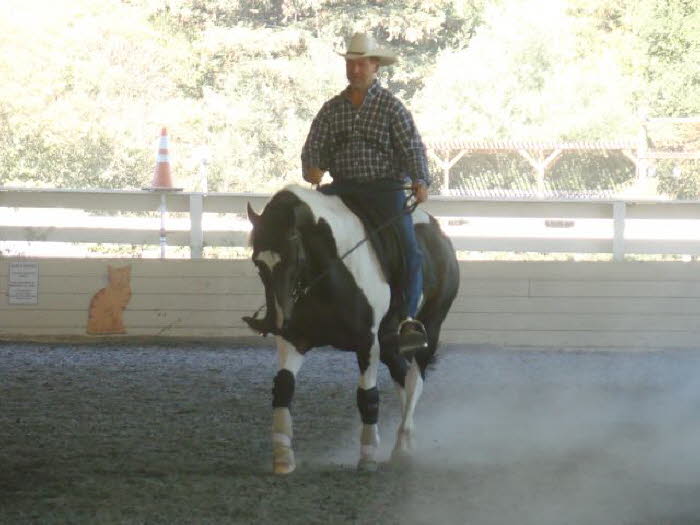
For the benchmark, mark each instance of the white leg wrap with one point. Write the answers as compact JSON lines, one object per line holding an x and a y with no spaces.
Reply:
{"x":369,"y":445}
{"x":282,"y":423}
{"x":283,"y":461}
{"x":281,"y":439}
{"x":370,"y":435}
{"x":282,"y":452}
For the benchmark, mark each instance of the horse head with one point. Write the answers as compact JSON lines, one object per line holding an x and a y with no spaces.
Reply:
{"x":280,"y":257}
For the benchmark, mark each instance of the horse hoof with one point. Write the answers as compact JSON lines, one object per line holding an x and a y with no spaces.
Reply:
{"x":283,"y":468}
{"x":401,"y":458}
{"x":367,"y":465}
{"x":283,"y":460}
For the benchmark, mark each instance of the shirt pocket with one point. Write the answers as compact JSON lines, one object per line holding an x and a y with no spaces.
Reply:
{"x":339,"y":129}
{"x":378,"y":135}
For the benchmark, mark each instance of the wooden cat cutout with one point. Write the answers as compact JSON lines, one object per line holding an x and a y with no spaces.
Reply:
{"x":107,"y":305}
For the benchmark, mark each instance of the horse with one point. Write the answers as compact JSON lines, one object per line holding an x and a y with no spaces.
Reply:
{"x":325,"y":287}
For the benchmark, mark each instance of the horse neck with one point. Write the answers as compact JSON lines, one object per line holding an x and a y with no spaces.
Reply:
{"x":318,"y":255}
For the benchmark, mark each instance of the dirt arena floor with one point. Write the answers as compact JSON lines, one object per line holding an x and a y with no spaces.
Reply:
{"x":180,"y":434}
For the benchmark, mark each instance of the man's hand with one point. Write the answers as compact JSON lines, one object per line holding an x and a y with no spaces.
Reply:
{"x":420,"y":191}
{"x":313,"y":175}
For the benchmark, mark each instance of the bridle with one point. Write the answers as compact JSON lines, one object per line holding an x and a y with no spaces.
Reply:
{"x":299,"y":288}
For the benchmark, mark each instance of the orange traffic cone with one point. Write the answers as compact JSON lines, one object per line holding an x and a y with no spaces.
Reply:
{"x":161,"y":177}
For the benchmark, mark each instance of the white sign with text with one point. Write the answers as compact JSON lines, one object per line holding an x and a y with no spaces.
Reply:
{"x":23,"y":283}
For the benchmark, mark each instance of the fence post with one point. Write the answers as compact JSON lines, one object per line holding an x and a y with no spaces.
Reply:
{"x":619,"y":212}
{"x":163,"y":233}
{"x":196,"y":234}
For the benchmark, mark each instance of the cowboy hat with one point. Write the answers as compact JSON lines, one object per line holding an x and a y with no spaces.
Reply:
{"x":363,"y":45}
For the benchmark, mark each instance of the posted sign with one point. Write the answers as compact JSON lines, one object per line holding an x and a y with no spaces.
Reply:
{"x":23,"y":283}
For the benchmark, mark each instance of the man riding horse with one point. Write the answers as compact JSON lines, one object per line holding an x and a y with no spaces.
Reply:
{"x":325,"y":286}
{"x":368,"y":142}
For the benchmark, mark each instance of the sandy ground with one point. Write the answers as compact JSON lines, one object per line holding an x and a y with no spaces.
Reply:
{"x":180,"y":434}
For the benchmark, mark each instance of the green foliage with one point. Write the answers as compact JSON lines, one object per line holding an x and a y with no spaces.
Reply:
{"x":682,"y":180}
{"x":507,"y":171}
{"x":77,"y":161}
{"x":669,"y":35}
{"x":590,"y":171}
{"x":419,"y":28}
{"x":527,"y":77}
{"x":88,"y":85}
{"x":82,"y":104}
{"x":571,"y":173}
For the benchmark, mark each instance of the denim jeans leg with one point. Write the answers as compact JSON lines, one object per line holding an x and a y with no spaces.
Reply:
{"x":414,"y":261}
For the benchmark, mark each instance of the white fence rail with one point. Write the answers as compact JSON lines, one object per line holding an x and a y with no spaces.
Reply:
{"x":675,"y":221}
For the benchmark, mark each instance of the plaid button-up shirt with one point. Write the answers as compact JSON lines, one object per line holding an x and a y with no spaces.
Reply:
{"x":377,"y":140}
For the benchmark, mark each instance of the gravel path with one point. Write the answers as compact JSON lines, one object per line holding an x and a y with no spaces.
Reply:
{"x":180,"y":434}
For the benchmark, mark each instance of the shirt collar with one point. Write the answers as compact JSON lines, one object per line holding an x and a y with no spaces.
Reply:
{"x":371,"y":91}
{"x":374,"y":88}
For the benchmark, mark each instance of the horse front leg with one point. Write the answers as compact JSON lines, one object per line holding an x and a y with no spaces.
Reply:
{"x":289,"y":363}
{"x":368,"y":405}
{"x":409,"y":395}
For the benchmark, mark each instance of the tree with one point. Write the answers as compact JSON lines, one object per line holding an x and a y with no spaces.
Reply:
{"x":528,"y":76}
{"x":87,"y":86}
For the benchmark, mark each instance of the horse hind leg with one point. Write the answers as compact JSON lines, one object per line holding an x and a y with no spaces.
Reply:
{"x":409,"y":384}
{"x":409,"y":395}
{"x":398,"y":368}
{"x":410,"y":387}
{"x":290,"y":361}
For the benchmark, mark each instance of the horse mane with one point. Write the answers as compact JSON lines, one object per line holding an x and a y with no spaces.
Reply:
{"x":344,"y":225}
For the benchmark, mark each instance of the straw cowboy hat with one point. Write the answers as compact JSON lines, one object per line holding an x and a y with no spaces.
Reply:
{"x":363,"y":45}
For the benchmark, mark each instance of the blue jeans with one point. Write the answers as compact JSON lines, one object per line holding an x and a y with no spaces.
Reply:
{"x":392,"y":200}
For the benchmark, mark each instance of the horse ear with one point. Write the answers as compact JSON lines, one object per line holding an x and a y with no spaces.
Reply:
{"x":253,"y":217}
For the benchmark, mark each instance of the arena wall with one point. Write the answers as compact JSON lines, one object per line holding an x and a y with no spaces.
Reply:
{"x":545,"y":304}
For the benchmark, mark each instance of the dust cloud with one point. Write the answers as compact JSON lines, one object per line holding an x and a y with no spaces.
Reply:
{"x":559,"y":438}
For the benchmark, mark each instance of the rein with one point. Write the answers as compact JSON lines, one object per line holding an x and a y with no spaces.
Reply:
{"x":300,"y":291}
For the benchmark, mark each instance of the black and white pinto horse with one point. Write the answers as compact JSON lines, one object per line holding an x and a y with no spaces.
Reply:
{"x":315,"y":297}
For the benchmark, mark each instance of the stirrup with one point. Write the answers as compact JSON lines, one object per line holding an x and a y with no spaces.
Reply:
{"x":412,"y":337}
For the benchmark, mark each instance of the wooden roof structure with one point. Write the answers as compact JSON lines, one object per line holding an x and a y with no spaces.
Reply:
{"x":516,"y":145}
{"x":642,"y":151}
